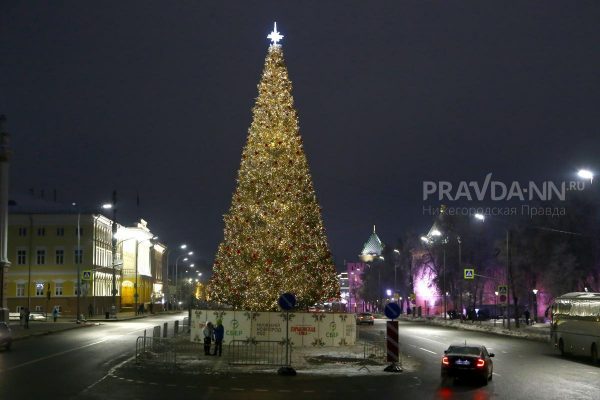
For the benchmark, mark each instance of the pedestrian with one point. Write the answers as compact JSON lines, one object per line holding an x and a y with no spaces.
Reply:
{"x":208,"y":332}
{"x":90,"y":310}
{"x":219,"y":334}
{"x":55,"y":314}
{"x":22,"y":316}
{"x":26,"y":318}
{"x":527,"y":316}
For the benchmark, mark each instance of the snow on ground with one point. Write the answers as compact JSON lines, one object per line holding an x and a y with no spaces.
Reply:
{"x":330,"y":361}
{"x":357,"y":360}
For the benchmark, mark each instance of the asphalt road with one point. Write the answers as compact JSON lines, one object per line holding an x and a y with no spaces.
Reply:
{"x":63,"y":364}
{"x":83,"y":364}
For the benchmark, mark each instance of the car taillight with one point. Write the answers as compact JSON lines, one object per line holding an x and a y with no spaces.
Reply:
{"x":445,"y":361}
{"x":480,"y":362}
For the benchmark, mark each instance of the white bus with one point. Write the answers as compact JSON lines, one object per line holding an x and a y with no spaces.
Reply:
{"x":575,"y":325}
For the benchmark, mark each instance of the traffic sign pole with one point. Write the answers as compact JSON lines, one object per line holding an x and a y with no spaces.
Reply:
{"x":392,"y":311}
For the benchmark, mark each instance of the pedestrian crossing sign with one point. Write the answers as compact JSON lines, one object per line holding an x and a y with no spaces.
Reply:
{"x":502,"y":294}
{"x":86,"y":275}
{"x":469,"y":273}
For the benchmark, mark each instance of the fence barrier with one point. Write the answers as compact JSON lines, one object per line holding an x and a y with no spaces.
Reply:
{"x":158,"y":350}
{"x":259,"y":352}
{"x":375,"y":350}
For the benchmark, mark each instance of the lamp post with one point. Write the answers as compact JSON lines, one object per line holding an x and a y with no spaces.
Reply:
{"x":113,"y":206}
{"x":135,"y":286}
{"x":535,"y":292}
{"x":189,"y":253}
{"x":5,"y":155}
{"x":78,"y":260}
{"x":395,"y":271}
{"x":481,"y":218}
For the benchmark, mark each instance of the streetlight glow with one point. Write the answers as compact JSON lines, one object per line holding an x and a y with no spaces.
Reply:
{"x":586,"y":174}
{"x":107,"y":206}
{"x":480,"y":217}
{"x":435,"y":232}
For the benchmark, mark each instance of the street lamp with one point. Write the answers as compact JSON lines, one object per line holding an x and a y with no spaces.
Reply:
{"x":535,"y":292}
{"x":481,"y":217}
{"x":113,"y":206}
{"x":495,"y":307}
{"x":586,"y":174}
{"x":78,"y":259}
{"x":397,"y":252}
{"x":425,"y":239}
{"x":189,"y":253}
{"x":135,"y":286}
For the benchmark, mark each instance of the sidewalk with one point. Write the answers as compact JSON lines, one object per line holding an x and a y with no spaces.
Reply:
{"x":539,"y":331}
{"x":38,"y":328}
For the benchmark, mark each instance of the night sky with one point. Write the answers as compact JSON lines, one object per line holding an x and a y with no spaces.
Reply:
{"x":155,"y":98}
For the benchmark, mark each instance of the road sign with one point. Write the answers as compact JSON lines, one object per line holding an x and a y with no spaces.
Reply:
{"x":392,"y":310}
{"x":392,"y":340}
{"x":469,"y":273}
{"x":86,"y":275}
{"x":502,"y":294}
{"x":287,"y":301}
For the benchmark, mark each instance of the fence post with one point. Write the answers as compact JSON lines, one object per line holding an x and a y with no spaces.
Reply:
{"x":176,"y":328}
{"x":165,"y":329}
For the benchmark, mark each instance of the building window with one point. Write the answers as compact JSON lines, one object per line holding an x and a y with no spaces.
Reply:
{"x":80,"y":229}
{"x":60,"y":231}
{"x":41,"y":231}
{"x":22,"y":231}
{"x":60,"y":256}
{"x":39,"y":289}
{"x":41,"y":257}
{"x":58,"y":289}
{"x":78,"y":256}
{"x":21,"y":257}
{"x":20,"y":290}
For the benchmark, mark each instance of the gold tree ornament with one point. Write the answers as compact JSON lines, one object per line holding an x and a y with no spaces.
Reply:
{"x":274,"y":239}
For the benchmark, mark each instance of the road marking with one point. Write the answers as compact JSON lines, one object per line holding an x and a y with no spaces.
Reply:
{"x":53,"y":355}
{"x":238,"y":389}
{"x":284,"y":391}
{"x":429,"y":351}
{"x":261,"y":390}
{"x":431,"y":340}
{"x":493,"y":373}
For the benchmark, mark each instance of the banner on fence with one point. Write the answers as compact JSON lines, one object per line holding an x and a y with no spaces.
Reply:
{"x":305,"y":329}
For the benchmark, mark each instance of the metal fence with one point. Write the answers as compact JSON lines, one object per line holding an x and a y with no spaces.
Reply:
{"x":374,"y":349}
{"x":259,"y":352}
{"x":164,"y":350}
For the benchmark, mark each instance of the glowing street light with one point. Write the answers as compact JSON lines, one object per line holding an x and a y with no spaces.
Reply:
{"x":480,"y":217}
{"x":586,"y":174}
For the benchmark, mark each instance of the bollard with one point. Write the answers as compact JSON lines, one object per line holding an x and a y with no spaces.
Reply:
{"x":165,"y":327}
{"x":176,"y":328}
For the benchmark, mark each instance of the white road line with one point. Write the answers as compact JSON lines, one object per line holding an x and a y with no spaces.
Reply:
{"x":431,"y":340}
{"x":429,"y":351}
{"x":238,"y":389}
{"x":493,"y":373}
{"x":53,"y":355}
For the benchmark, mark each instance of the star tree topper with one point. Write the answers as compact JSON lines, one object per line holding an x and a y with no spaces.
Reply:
{"x":275,"y":36}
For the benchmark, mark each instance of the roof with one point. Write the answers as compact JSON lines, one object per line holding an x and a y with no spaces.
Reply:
{"x":373,"y":246}
{"x":580,"y":296}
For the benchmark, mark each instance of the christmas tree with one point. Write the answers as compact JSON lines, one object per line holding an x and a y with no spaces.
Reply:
{"x":274,"y":239}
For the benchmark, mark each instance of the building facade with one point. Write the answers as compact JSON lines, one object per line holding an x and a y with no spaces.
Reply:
{"x":63,"y":259}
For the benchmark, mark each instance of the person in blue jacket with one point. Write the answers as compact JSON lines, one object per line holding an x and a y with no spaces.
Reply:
{"x":219,"y":334}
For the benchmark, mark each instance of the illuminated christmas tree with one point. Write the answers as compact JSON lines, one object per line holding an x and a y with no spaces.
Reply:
{"x":274,"y":239}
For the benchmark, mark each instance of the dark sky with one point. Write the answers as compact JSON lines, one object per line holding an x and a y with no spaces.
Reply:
{"x":155,"y":97}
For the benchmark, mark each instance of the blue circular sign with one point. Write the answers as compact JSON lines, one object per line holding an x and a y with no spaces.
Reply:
{"x":392,"y":310}
{"x":287,"y":301}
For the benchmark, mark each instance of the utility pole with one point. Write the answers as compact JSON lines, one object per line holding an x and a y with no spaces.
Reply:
{"x":5,"y":154}
{"x":113,"y":309}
